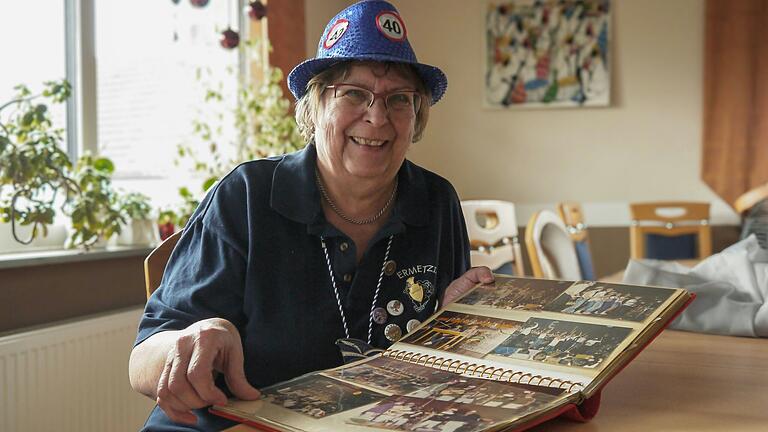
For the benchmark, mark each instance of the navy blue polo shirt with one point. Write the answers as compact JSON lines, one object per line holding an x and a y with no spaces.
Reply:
{"x":251,"y":253}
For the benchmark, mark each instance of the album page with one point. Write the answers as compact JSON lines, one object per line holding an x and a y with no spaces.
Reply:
{"x":558,"y":333}
{"x":384,"y":393}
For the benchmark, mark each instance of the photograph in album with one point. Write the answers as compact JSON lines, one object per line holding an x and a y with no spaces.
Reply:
{"x":563,"y":343}
{"x":403,"y":413}
{"x":488,"y":393}
{"x":317,"y":396}
{"x":620,"y":302}
{"x":516,"y":294}
{"x":390,"y":375}
{"x":472,"y":335}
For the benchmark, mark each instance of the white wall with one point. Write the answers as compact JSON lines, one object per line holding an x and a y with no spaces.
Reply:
{"x":646,"y":146}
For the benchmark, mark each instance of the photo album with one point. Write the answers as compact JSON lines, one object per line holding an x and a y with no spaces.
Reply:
{"x":505,"y":356}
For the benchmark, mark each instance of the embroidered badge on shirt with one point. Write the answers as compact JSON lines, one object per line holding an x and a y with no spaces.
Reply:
{"x":420,"y":292}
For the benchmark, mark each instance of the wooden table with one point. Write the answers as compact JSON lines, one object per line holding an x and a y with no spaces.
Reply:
{"x":682,"y":382}
{"x":686,"y":382}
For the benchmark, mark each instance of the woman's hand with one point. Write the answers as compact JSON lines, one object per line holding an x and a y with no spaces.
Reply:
{"x":465,"y":282}
{"x":187,"y":378}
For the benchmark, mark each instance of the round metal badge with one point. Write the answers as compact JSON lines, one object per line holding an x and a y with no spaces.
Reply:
{"x":395,"y":307}
{"x":379,"y":315}
{"x":390,"y":267}
{"x":412,"y":324}
{"x":392,"y":332}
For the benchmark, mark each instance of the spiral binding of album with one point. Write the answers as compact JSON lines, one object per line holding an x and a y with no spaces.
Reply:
{"x":482,"y":371}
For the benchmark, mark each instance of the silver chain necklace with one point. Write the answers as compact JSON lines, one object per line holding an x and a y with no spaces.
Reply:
{"x":375,"y":294}
{"x":351,"y":220}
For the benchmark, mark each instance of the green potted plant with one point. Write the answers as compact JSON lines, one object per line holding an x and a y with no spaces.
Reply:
{"x":37,"y":177}
{"x":171,"y":218}
{"x":94,"y":211}
{"x":140,"y":228}
{"x":34,"y":168}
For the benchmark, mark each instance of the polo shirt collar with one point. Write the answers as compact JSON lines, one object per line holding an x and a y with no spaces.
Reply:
{"x":295,"y":195}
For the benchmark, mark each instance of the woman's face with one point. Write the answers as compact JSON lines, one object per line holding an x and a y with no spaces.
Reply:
{"x":359,"y":141}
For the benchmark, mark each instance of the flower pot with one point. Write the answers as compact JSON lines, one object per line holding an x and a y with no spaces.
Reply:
{"x":139,"y":232}
{"x":56,"y":235}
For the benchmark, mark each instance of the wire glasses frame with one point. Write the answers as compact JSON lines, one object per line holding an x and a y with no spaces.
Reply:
{"x":400,"y":102}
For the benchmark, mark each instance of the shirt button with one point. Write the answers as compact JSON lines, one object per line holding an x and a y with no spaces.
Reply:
{"x":348,"y":277}
{"x":344,"y":246}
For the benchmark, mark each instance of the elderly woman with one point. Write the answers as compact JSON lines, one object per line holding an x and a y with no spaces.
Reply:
{"x":344,"y":239}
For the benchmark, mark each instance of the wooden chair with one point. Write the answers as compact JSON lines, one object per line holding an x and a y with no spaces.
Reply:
{"x":753,"y":208}
{"x":750,"y":198}
{"x":670,"y":230}
{"x":573,"y":218}
{"x":550,"y":248}
{"x":154,"y":263}
{"x":492,"y":229}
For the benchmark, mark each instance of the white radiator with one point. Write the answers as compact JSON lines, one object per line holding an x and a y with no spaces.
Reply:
{"x":71,"y":377}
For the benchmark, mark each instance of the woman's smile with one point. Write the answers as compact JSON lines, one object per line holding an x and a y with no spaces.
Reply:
{"x":368,"y":142}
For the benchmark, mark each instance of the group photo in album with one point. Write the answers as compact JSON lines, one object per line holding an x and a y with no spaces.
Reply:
{"x":317,"y":396}
{"x":609,"y":300}
{"x":517,"y":294}
{"x":387,"y":374}
{"x":405,"y":413}
{"x":562,"y":342}
{"x":505,"y":355}
{"x":472,"y":335}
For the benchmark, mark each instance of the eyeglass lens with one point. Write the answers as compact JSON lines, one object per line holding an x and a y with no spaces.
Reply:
{"x":398,"y":102}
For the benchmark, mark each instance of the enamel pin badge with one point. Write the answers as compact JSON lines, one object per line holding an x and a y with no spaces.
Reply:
{"x":420,"y":292}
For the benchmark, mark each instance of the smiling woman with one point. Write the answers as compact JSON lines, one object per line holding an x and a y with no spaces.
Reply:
{"x":288,"y":255}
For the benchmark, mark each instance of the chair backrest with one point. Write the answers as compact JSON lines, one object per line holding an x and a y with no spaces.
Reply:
{"x":753,"y":208}
{"x":492,"y":229}
{"x":573,"y":218}
{"x":154,"y":263}
{"x":750,"y":198}
{"x":670,"y":230}
{"x":550,"y":248}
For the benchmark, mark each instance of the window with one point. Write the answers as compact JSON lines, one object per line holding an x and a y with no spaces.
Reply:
{"x":134,"y":68}
{"x":31,"y":60}
{"x":149,"y":55}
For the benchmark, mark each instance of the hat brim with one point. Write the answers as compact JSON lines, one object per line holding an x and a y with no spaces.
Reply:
{"x":434,"y":79}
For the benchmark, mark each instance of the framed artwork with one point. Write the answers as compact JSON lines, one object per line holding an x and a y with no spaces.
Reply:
{"x":547,"y":53}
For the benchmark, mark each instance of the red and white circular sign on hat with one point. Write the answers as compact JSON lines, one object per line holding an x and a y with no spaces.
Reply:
{"x":391,"y":25}
{"x":335,"y":33}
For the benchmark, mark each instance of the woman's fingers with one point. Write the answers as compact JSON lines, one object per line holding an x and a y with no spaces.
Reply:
{"x":173,"y":407}
{"x":187,"y":382}
{"x":466,"y":282}
{"x":479,"y":274}
{"x":235,"y":375}
{"x":201,"y":367}
{"x":179,"y":381}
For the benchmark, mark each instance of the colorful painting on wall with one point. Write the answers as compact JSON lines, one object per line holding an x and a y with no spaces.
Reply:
{"x":547,"y":53}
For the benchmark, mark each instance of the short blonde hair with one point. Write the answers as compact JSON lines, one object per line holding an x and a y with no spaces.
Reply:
{"x":307,"y":107}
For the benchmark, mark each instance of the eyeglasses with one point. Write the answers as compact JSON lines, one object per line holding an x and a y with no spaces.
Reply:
{"x":398,"y":102}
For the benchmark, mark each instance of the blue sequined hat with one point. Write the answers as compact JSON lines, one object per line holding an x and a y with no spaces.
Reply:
{"x":367,"y":30}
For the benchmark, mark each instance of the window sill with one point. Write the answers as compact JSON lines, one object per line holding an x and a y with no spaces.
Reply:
{"x":63,"y":256}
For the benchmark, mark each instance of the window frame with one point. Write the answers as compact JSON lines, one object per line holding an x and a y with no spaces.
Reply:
{"x":80,"y":55}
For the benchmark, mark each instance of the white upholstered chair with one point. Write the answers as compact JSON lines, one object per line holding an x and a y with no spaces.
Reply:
{"x":551,"y":248}
{"x":492,"y":229}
